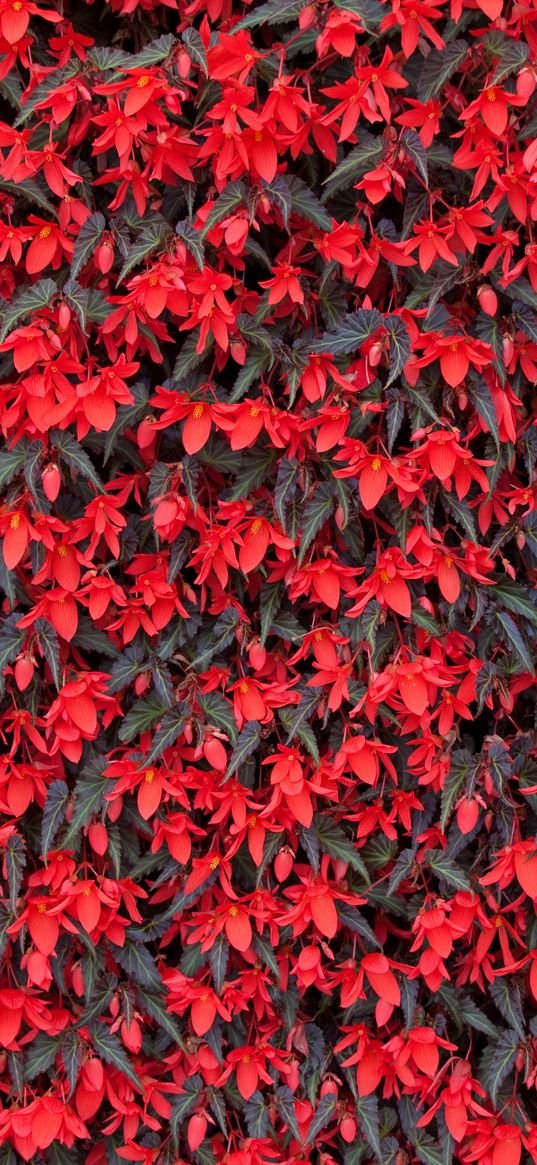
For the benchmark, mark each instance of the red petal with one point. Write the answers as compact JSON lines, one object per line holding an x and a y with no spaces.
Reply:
{"x":238,"y":929}
{"x":324,"y":914}
{"x":89,"y":907}
{"x":197,"y":429}
{"x":202,"y":1014}
{"x":149,"y":794}
{"x":44,"y":930}
{"x":373,"y":482}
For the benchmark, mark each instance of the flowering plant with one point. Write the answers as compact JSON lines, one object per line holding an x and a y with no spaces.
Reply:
{"x":268,"y":549}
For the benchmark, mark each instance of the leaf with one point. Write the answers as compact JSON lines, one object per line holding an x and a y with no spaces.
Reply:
{"x":462,"y":514}
{"x":233,"y":194}
{"x":218,"y":960}
{"x":285,"y":1103}
{"x":168,"y":731}
{"x":512,"y":55}
{"x":26,"y":303}
{"x":143,"y":716}
{"x":218,"y":712}
{"x":41,"y":1055}
{"x":508,"y":999}
{"x":295,"y":195}
{"x":256,"y":1115}
{"x":108,"y":1048}
{"x":75,"y":456}
{"x":286,"y":487}
{"x":152,"y":53}
{"x":516,"y":598}
{"x":71,"y":1054}
{"x":154,"y":1006}
{"x":183,"y":1104}
{"x":256,"y":361}
{"x":15,"y":862}
{"x":89,"y":795}
{"x":497,"y":1062}
{"x":413,"y":146}
{"x":438,"y":67}
{"x":368,"y":1118}
{"x":50,"y":646}
{"x":350,"y":334}
{"x":53,"y":814}
{"x":365,"y":156}
{"x":400,"y":346}
{"x":316,"y":513}
{"x":453,"y":785}
{"x":86,"y":242}
{"x":12,"y":640}
{"x":447,"y":869}
{"x":222,"y":635}
{"x":247,"y":743}
{"x":333,"y":841}
{"x":513,"y":638}
{"x":274,"y":12}
{"x":321,"y":1118}
{"x":369,"y":12}
{"x":481,"y":399}
{"x":152,"y":238}
{"x":195,"y":48}
{"x":193,"y":240}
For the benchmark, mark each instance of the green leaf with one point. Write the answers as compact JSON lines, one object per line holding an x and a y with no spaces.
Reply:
{"x":195,"y":48}
{"x":508,"y":999}
{"x":256,"y":361}
{"x":514,"y":640}
{"x":369,"y":12}
{"x":71,"y":1053}
{"x":233,"y":194}
{"x":285,"y":1103}
{"x":219,"y":959}
{"x":53,"y":814}
{"x":453,"y":785}
{"x":400,"y":346}
{"x":152,"y":238}
{"x":413,"y":146}
{"x":497,"y":1062}
{"x":86,"y":242}
{"x":218,"y":712}
{"x":269,"y":604}
{"x":462,"y":514}
{"x":152,"y":53}
{"x":108,"y":1048}
{"x":183,"y":1104}
{"x":438,"y":67}
{"x":50,"y":646}
{"x":447,"y":869}
{"x":321,"y":1118}
{"x":12,"y":462}
{"x":169,"y":730}
{"x":316,"y":513}
{"x":512,"y":54}
{"x":41,"y":1055}
{"x":481,"y":399}
{"x":222,"y":634}
{"x":368,"y":1119}
{"x":12,"y":640}
{"x":274,"y":12}
{"x":296,"y":718}
{"x":26,"y":303}
{"x":286,"y":487}
{"x":365,"y":156}
{"x":333,"y":841}
{"x":15,"y":862}
{"x":192,"y":240}
{"x":256,"y":1115}
{"x":516,"y":598}
{"x":246,"y":745}
{"x":89,"y":795}
{"x":55,"y":79}
{"x":294,"y":195}
{"x":143,"y":716}
{"x":76,"y":457}
{"x":154,"y":1006}
{"x":350,"y":334}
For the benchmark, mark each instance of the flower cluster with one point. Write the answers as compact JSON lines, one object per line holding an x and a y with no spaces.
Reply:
{"x":268,"y":552}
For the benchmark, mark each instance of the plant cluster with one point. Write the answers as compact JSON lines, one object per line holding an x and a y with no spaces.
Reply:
{"x":268,"y":543}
